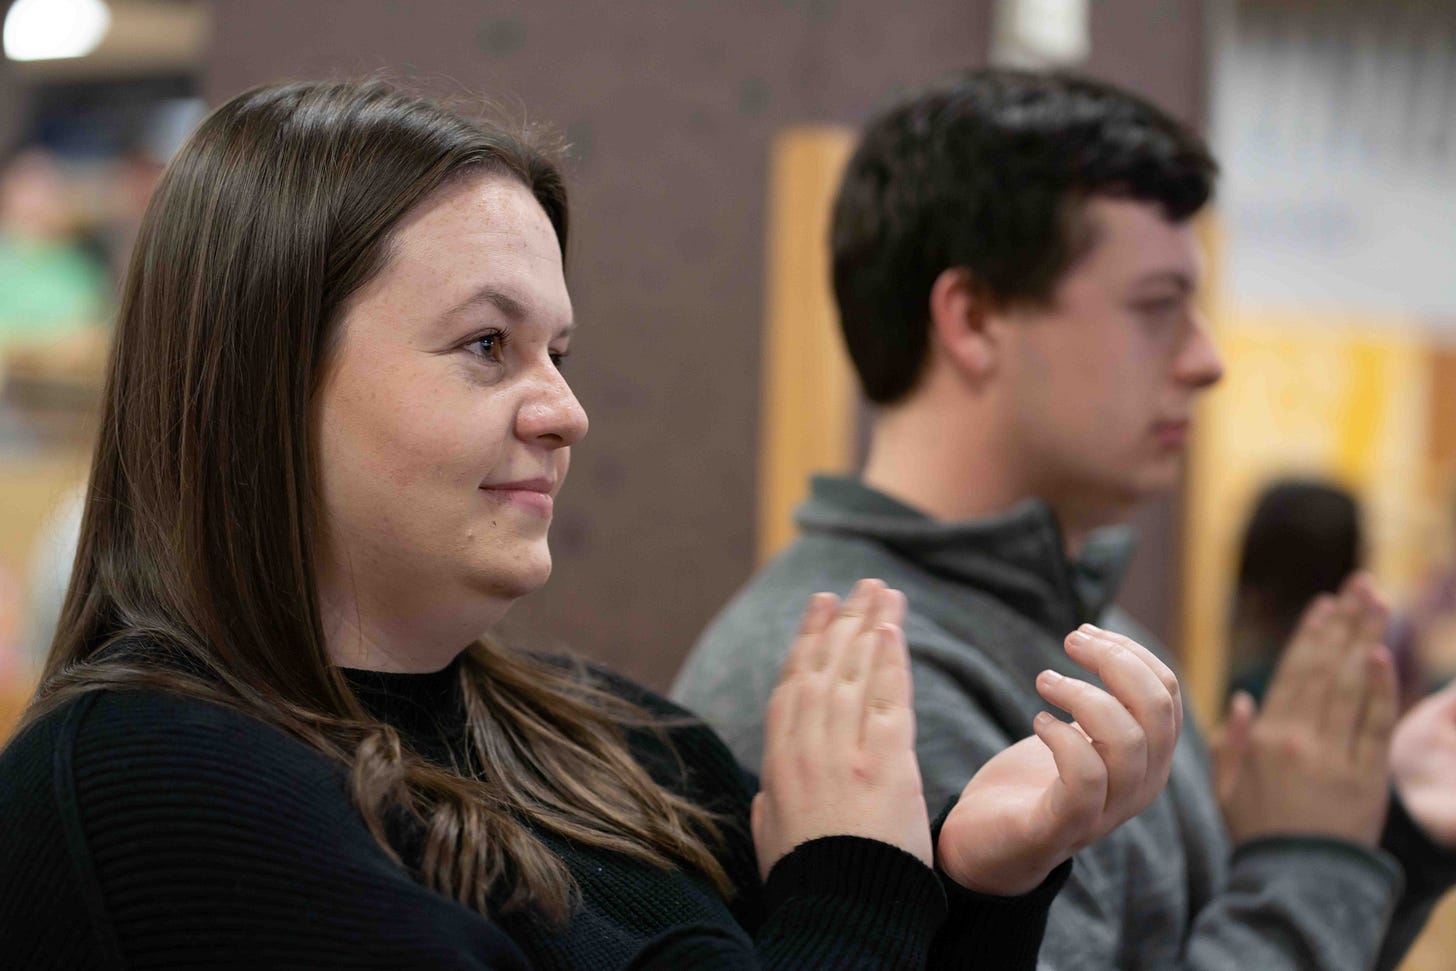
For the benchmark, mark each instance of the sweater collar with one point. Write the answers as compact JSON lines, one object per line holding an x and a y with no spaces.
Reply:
{"x":428,"y":710}
{"x":1016,"y":556}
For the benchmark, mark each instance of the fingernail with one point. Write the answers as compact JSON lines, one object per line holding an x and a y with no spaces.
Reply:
{"x":1078,"y":637}
{"x":1090,"y":628}
{"x":1052,"y":677}
{"x":1042,"y":719}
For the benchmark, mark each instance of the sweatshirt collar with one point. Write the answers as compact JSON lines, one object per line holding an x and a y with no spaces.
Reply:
{"x":1016,"y":556}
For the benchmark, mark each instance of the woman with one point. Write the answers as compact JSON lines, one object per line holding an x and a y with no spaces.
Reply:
{"x":269,"y":733}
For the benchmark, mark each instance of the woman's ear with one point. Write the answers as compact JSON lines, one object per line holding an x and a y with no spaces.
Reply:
{"x":960,"y":324}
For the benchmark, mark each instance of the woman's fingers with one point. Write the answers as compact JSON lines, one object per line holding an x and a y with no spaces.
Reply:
{"x":781,"y":720}
{"x":1076,"y":799}
{"x":827,"y":650}
{"x":852,"y":650}
{"x":1116,"y":735}
{"x":847,"y":688}
{"x":819,"y":611}
{"x":888,"y":725}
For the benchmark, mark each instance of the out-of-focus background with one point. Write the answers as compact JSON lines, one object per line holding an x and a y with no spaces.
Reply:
{"x":705,"y":138}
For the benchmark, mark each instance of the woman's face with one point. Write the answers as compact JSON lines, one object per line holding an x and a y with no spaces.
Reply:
{"x":444,"y":423}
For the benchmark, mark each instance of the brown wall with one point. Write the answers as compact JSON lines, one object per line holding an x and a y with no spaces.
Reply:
{"x":671,"y":107}
{"x":12,"y":96}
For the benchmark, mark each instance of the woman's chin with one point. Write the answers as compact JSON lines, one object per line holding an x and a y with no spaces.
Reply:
{"x":517,"y":579}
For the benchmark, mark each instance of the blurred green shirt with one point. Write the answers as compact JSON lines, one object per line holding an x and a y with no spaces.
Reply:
{"x":48,"y":289}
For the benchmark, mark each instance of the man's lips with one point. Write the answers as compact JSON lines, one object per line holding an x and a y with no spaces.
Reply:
{"x":1172,"y":434}
{"x":533,"y":495}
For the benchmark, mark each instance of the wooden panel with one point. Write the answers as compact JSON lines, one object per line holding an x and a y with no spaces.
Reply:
{"x":1202,"y":652}
{"x":808,"y":409}
{"x":1442,"y":419}
{"x":31,"y":485}
{"x":1435,"y":950}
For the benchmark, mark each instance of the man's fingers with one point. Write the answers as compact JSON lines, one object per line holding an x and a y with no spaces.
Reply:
{"x":1233,"y":745}
{"x":1372,"y":741}
{"x":1117,"y":737}
{"x":1365,"y":617}
{"x":1134,"y":683}
{"x":1076,"y":799}
{"x":1159,"y":668}
{"x":1345,"y":697}
{"x":1301,"y":657}
{"x":1373,"y":615}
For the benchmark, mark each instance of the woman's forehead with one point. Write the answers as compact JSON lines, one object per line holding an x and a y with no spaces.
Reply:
{"x":481,"y":245}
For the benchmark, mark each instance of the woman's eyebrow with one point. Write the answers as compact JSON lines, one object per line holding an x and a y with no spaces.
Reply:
{"x":511,"y":308}
{"x":508,"y":305}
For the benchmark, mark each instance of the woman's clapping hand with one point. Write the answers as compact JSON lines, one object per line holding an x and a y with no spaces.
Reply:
{"x":839,"y":750}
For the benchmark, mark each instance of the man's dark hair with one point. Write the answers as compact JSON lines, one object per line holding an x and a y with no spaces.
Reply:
{"x":990,"y":172}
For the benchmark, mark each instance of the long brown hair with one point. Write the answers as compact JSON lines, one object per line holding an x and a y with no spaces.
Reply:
{"x":198,"y":537}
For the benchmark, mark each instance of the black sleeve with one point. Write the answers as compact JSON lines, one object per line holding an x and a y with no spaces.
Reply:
{"x":209,"y":840}
{"x":837,"y":902}
{"x":1016,"y":925}
{"x":1430,"y":871}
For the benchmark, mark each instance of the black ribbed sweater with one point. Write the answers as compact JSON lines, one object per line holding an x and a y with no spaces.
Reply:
{"x":146,"y":830}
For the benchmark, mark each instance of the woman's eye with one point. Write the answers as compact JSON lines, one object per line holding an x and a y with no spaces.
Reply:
{"x":489,"y":346}
{"x":558,"y":358}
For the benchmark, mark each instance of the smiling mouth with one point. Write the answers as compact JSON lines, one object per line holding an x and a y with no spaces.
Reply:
{"x":533,"y":495}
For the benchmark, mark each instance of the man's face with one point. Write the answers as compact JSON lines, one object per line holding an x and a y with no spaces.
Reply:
{"x":1101,"y":382}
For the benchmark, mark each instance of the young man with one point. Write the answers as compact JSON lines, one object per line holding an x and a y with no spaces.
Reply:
{"x":1015,"y":274}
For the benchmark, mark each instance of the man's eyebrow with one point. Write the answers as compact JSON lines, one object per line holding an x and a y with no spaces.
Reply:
{"x":1178,"y":278}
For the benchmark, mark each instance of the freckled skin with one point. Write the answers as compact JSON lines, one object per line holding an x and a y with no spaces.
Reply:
{"x":414,"y":415}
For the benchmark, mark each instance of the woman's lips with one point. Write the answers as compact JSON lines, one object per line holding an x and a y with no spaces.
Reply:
{"x":533,"y":495}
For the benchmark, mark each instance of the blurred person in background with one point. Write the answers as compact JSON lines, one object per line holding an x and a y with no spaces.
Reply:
{"x":1426,"y":631}
{"x":1302,"y":539}
{"x":273,"y":729}
{"x":1015,"y":271}
{"x":51,"y":287}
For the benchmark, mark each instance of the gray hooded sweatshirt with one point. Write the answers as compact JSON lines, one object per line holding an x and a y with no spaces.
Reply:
{"x":989,"y":604}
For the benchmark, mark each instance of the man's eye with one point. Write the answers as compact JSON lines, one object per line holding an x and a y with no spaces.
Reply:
{"x":1160,"y":308}
{"x":558,"y":358}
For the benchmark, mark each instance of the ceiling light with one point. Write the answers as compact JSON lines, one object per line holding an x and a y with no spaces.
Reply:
{"x":41,"y":30}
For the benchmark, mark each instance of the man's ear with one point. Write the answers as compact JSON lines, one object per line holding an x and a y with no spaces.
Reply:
{"x":960,"y":323}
